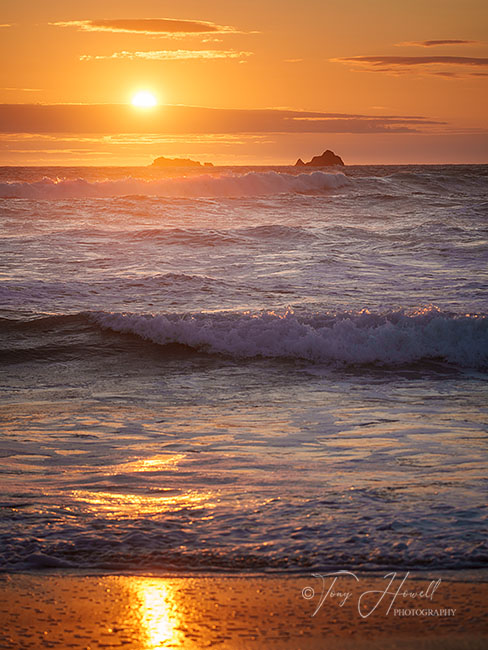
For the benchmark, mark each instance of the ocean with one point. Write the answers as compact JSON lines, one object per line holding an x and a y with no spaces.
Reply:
{"x":243,"y":369}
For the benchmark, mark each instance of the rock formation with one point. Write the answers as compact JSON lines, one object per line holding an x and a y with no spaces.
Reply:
{"x":178,"y":162}
{"x":327,"y":159}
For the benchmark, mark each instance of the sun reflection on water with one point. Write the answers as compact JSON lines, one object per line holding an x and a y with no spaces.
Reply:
{"x":117,"y":506}
{"x":162,"y":495}
{"x":158,"y":612}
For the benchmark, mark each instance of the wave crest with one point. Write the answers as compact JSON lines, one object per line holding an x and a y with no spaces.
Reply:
{"x":351,"y":338}
{"x":203,"y":185}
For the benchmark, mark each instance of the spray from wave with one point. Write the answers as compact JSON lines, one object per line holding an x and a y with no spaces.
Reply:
{"x":204,"y":185}
{"x":350,"y":337}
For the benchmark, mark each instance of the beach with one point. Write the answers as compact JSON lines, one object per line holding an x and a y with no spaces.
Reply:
{"x":234,"y":613}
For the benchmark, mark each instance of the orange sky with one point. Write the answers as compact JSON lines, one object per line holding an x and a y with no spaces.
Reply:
{"x":377,"y":81}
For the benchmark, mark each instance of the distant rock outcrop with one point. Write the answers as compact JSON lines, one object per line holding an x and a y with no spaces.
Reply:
{"x":327,"y":159}
{"x":178,"y":162}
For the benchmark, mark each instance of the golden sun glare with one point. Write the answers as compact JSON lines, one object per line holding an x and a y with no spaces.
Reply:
{"x":144,"y":99}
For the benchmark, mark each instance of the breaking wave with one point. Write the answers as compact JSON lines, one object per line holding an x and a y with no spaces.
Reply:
{"x":204,"y":185}
{"x":350,"y":337}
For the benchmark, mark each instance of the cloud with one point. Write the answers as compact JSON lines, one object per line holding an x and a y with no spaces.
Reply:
{"x":32,"y":139}
{"x":445,"y":41}
{"x":377,"y":61}
{"x":399,"y":65}
{"x":174,"y":120}
{"x":148,"y":26}
{"x":5,"y":25}
{"x":445,"y":73}
{"x":24,"y":90}
{"x":169,"y":55}
{"x":456,"y":75}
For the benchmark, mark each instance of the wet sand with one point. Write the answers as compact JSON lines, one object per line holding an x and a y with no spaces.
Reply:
{"x":142,"y":613}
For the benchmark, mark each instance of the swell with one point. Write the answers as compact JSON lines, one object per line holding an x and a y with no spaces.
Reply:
{"x":45,"y":289}
{"x":204,"y":185}
{"x":401,"y":183}
{"x":204,"y":237}
{"x":348,"y":338}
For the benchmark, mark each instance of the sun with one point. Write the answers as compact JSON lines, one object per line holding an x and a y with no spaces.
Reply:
{"x":144,"y":99}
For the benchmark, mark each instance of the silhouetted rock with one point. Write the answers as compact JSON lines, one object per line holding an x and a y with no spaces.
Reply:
{"x":327,"y":159}
{"x":177,"y":162}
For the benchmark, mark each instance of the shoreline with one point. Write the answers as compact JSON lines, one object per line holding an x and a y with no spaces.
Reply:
{"x":60,"y":610}
{"x":416,"y":574}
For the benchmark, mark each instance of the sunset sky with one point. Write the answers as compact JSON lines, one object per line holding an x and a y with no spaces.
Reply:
{"x":243,"y":82}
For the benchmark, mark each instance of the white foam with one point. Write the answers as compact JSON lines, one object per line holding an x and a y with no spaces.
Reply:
{"x":351,"y":338}
{"x":204,"y":185}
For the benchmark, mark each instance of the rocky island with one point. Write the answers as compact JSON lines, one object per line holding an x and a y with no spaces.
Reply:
{"x":327,"y":159}
{"x":178,"y":162}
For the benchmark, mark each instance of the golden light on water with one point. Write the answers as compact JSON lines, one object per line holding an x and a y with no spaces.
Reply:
{"x":144,"y":99}
{"x":167,"y":497}
{"x":118,"y":505}
{"x":158,"y":613}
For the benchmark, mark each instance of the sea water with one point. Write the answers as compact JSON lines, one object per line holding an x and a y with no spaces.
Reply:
{"x":243,"y":369}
